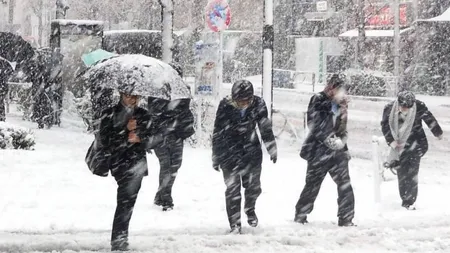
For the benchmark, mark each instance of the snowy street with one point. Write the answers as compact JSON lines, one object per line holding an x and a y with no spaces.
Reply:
{"x":50,"y":202}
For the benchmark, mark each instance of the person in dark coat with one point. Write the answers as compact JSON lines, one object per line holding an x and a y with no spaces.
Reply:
{"x":325,"y":149}
{"x":402,"y":128}
{"x":237,"y":149}
{"x":177,"y":116}
{"x":124,"y":132}
{"x":6,"y":71}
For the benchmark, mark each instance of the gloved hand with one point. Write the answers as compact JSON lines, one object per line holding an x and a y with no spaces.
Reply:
{"x":274,"y":158}
{"x":216,"y":165}
{"x":396,"y":145}
{"x":334,"y":143}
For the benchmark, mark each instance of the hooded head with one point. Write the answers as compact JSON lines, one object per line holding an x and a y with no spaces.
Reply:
{"x":242,"y":93}
{"x":406,"y":100}
{"x":335,"y":88}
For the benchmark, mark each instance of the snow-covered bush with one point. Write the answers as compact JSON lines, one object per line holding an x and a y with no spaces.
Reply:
{"x":13,"y":137}
{"x":84,"y":108}
{"x":365,"y":83}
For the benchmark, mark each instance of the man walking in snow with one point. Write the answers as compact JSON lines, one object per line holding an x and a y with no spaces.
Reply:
{"x":175,"y":115}
{"x":326,"y":151}
{"x":402,"y":128}
{"x":237,"y":149}
{"x":124,"y":132}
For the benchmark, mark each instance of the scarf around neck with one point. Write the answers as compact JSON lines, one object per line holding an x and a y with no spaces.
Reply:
{"x":401,"y":132}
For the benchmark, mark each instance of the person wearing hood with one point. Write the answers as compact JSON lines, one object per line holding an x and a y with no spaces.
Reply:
{"x":236,"y":149}
{"x":402,"y":128}
{"x":325,"y":149}
{"x":124,"y":132}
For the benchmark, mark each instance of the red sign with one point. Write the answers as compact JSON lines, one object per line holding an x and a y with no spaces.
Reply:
{"x":383,"y":16}
{"x":218,"y":15}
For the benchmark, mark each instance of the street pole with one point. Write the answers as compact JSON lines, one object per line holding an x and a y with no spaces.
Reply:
{"x":396,"y":9}
{"x":268,"y":40}
{"x":167,"y":29}
{"x":361,"y":23}
{"x":12,"y":4}
{"x":416,"y":9}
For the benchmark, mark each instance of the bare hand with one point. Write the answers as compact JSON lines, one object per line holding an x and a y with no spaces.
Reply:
{"x":132,"y":125}
{"x":133,"y":138}
{"x":440,"y":137}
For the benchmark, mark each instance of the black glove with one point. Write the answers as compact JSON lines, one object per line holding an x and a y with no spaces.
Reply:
{"x":216,"y":166}
{"x":274,"y":158}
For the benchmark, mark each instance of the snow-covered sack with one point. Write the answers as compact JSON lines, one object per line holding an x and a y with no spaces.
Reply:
{"x":13,"y":137}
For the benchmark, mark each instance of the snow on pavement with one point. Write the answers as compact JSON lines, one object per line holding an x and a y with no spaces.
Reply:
{"x":50,"y":202}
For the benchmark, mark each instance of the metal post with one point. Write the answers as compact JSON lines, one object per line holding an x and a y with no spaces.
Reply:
{"x":361,"y":23}
{"x":376,"y":170}
{"x":167,"y":29}
{"x":416,"y":9}
{"x":268,"y":40}
{"x":396,"y":9}
{"x":220,"y":68}
{"x":12,"y":5}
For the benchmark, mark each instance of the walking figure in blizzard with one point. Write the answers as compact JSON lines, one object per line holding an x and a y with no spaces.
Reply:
{"x":403,"y":131}
{"x":124,"y":133}
{"x":325,"y":149}
{"x":237,"y":149}
{"x":175,"y":115}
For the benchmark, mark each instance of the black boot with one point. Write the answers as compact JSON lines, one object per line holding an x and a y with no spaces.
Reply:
{"x":119,"y":245}
{"x":301,"y":218}
{"x":236,"y":229}
{"x":158,"y":201}
{"x":345,"y":223}
{"x":167,"y":207}
{"x":252,"y":219}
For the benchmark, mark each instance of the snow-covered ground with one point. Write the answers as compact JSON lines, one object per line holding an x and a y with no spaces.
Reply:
{"x":50,"y":202}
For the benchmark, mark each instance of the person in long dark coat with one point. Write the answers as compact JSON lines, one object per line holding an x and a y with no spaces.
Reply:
{"x":6,"y":71}
{"x":237,"y":149}
{"x":124,"y":132}
{"x":402,"y":128}
{"x":325,"y":149}
{"x":177,"y":116}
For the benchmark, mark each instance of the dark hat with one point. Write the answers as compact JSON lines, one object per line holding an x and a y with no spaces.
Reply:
{"x":335,"y":81}
{"x":406,"y":99}
{"x":242,"y":90}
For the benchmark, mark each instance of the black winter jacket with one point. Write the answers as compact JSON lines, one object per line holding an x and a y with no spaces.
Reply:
{"x":113,"y":136}
{"x":321,"y":126}
{"x":417,"y":143}
{"x":174,"y":117}
{"x":235,"y":140}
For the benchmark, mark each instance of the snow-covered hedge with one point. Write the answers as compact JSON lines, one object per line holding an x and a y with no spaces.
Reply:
{"x":13,"y":137}
{"x":364,"y":83}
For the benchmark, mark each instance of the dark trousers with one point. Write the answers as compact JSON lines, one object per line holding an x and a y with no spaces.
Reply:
{"x":170,"y":156}
{"x":127,"y":192}
{"x":250,"y":179}
{"x":337,"y":167}
{"x":408,"y":179}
